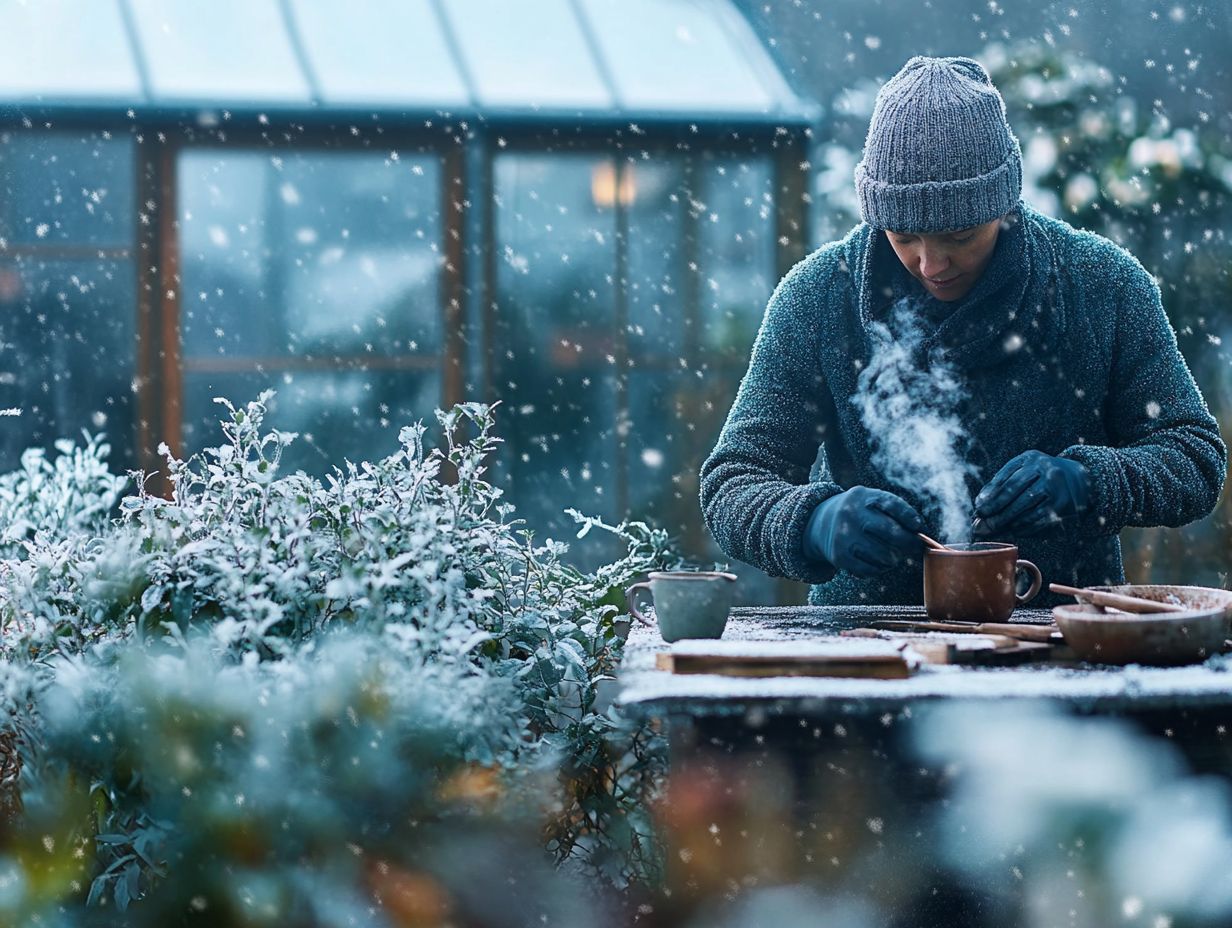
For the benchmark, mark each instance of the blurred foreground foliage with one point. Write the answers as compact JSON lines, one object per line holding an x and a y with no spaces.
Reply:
{"x":274,"y":700}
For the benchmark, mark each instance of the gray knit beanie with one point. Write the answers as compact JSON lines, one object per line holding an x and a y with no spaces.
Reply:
{"x":939,"y":154}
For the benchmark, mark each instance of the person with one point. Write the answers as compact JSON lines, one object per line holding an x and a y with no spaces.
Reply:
{"x":1079,"y":412}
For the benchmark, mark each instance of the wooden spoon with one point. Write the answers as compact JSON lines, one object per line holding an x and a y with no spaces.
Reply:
{"x":1116,"y":600}
{"x":933,"y":543}
{"x":1020,"y":630}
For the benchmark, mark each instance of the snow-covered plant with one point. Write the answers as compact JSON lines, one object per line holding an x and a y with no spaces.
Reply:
{"x":244,"y":577}
{"x":176,"y":782}
{"x":72,"y":495}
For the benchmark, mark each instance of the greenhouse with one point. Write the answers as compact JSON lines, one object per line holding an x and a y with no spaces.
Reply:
{"x":381,"y":210}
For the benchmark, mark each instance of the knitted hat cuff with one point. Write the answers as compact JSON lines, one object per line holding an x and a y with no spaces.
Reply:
{"x":940,"y":206}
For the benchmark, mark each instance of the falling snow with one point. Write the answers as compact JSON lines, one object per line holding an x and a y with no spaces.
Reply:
{"x":585,"y":229}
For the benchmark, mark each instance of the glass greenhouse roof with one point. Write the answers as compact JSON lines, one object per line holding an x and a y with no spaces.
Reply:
{"x":623,"y":58}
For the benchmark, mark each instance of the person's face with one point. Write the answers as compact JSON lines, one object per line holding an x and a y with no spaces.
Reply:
{"x":947,"y":263}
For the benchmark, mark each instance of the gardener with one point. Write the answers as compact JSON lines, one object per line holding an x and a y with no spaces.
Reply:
{"x":1081,"y":415}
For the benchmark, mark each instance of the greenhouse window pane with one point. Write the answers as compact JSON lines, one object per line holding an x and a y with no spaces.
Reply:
{"x":318,"y":256}
{"x":737,"y":253}
{"x":661,"y":450}
{"x":555,"y":336}
{"x":220,"y":51}
{"x":379,"y":52}
{"x":66,"y":49}
{"x":337,"y":415}
{"x":527,"y":54}
{"x":315,"y":274}
{"x":676,"y":55}
{"x":68,"y":362}
{"x":659,"y":284}
{"x":736,"y":261}
{"x":57,"y":188}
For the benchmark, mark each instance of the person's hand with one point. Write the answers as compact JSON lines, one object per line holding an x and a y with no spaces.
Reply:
{"x":863,"y":531}
{"x":1031,"y":494}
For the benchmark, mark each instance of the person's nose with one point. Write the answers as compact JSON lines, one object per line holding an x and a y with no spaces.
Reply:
{"x":934,"y":262}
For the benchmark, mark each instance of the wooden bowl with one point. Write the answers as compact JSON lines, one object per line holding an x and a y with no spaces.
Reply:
{"x":1162,"y":639}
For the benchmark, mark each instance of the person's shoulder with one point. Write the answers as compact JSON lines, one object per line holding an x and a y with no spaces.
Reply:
{"x":1094,"y":259}
{"x":817,"y":273}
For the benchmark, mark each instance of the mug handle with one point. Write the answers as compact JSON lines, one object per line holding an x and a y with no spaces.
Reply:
{"x":629,"y":595}
{"x":1037,"y":581}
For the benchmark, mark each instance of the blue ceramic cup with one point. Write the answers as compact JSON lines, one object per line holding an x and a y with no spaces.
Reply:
{"x":687,"y":603}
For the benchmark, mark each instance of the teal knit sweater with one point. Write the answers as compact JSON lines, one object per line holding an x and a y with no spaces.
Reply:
{"x":1085,"y":367}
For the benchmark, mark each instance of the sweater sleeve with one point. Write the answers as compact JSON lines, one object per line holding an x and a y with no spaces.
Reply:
{"x":1166,"y":461}
{"x":756,"y":494}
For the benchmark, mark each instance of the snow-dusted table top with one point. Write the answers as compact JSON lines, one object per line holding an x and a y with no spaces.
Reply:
{"x":654,"y":692}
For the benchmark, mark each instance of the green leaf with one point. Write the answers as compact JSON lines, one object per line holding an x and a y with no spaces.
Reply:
{"x":119,"y":862}
{"x":122,"y":895}
{"x":548,"y":671}
{"x":573,"y":655}
{"x":132,"y":880}
{"x":97,"y":888}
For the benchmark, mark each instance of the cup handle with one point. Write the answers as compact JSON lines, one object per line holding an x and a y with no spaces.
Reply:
{"x":631,"y":597}
{"x":1037,"y":581}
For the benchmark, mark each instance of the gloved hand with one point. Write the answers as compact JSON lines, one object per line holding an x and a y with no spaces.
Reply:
{"x":863,"y":531}
{"x":1031,"y":494}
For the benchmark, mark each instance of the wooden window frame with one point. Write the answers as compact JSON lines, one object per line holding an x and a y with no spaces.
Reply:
{"x":161,"y":366}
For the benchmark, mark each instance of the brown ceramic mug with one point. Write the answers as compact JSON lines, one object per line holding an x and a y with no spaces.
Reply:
{"x":976,"y":582}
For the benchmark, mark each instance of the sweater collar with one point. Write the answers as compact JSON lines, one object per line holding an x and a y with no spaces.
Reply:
{"x":1014,"y":304}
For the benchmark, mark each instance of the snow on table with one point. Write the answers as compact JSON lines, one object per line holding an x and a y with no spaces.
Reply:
{"x":644,"y":689}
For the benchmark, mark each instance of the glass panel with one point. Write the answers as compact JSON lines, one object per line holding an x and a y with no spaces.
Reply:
{"x":710,"y":406}
{"x":674,"y":55}
{"x":66,"y":189}
{"x":313,"y":256}
{"x":224,"y":50}
{"x":352,"y":415}
{"x":527,"y":54}
{"x":660,"y":450}
{"x":660,"y":283}
{"x":379,"y":51}
{"x":66,"y":49}
{"x":736,"y":260}
{"x":555,"y":343}
{"x":701,"y":237}
{"x":736,"y":234}
{"x":68,"y":329}
{"x":661,"y":296}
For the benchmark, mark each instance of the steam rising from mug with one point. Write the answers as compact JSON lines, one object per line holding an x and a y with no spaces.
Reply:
{"x":909,"y":405}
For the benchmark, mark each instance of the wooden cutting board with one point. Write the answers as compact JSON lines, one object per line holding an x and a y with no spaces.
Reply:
{"x":880,"y":660}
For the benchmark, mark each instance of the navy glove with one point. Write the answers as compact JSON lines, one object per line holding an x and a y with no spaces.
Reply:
{"x":1031,"y":494}
{"x":863,"y":531}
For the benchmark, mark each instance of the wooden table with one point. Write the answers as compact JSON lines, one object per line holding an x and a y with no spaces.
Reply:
{"x":826,"y":772}
{"x":646,"y":691}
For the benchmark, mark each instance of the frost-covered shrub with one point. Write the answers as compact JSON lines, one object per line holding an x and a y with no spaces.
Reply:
{"x":320,"y":658}
{"x":1108,"y":824}
{"x":71,"y":496}
{"x":275,"y":792}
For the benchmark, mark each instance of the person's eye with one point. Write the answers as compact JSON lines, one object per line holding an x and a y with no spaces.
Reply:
{"x":903,"y":239}
{"x":962,"y":238}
